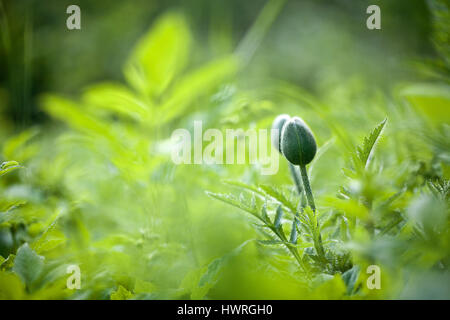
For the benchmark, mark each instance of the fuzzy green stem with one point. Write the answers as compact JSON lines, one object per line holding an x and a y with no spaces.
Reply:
{"x":317,"y":238}
{"x":296,"y":178}
{"x":307,"y":187}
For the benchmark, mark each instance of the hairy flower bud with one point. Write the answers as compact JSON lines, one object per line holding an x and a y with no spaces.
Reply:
{"x":278,"y":124}
{"x":297,"y":142}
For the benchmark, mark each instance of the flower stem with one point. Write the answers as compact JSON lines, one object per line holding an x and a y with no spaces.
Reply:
{"x":317,"y":237}
{"x":296,"y":178}
{"x":307,"y":187}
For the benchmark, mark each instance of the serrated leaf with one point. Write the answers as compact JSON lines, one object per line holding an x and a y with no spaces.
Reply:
{"x":244,"y":186}
{"x":263,"y":192}
{"x":278,"y":196}
{"x":121,"y":294}
{"x":253,"y":203}
{"x":293,"y":237}
{"x":212,"y":271}
{"x":278,"y":217}
{"x":45,"y":242}
{"x":270,"y":242}
{"x":264,"y":214}
{"x":231,"y":200}
{"x":364,"y":152}
{"x":28,"y":264}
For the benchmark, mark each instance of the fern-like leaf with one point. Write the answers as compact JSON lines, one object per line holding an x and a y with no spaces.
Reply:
{"x":278,"y":217}
{"x":264,"y":192}
{"x":235,"y":202}
{"x":279,"y":197}
{"x":364,"y":152}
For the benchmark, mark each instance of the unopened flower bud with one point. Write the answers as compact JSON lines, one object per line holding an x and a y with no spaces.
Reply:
{"x":297,"y":142}
{"x":278,"y":124}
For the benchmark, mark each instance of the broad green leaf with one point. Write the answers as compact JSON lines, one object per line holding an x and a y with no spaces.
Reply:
{"x":75,"y":116}
{"x":116,"y":98}
{"x":196,"y":84}
{"x":159,"y":55}
{"x":28,"y":264}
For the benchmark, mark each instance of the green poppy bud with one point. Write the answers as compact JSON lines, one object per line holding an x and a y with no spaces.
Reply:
{"x":278,"y":124}
{"x":297,"y":142}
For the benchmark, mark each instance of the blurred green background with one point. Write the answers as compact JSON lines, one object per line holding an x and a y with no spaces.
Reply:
{"x":309,"y":42}
{"x":88,"y":116}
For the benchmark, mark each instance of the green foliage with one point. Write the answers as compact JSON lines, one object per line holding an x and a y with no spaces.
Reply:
{"x":168,"y":43}
{"x":363,"y":152}
{"x":121,"y":294}
{"x":28,"y":265}
{"x":8,"y":166}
